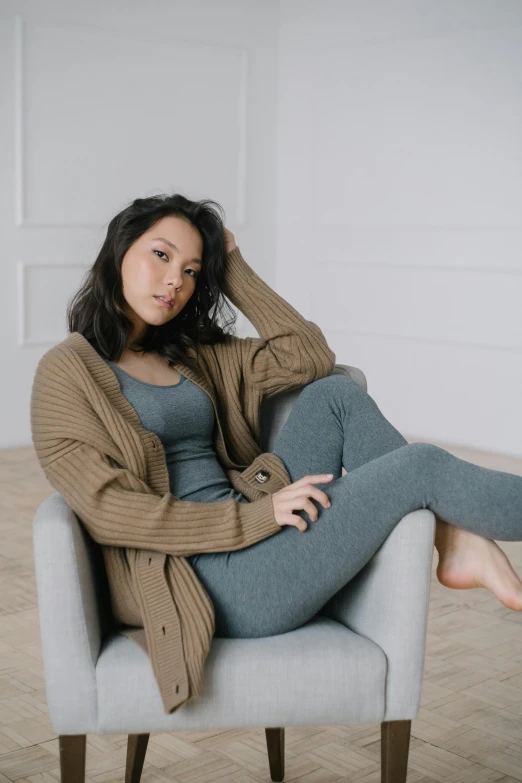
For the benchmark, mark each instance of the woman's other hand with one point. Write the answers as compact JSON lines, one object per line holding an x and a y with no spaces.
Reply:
{"x":295,"y":497}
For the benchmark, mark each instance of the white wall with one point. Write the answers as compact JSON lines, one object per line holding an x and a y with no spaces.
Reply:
{"x":105,"y":101}
{"x":368,"y":156}
{"x":400,"y":162}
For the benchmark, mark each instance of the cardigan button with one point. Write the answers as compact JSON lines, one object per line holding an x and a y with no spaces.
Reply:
{"x":262,"y":476}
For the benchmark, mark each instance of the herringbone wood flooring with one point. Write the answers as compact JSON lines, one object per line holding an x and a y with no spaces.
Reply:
{"x":469,"y":728}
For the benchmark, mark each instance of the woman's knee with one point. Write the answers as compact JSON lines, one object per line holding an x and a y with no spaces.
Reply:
{"x":332,"y":384}
{"x":427,"y":457}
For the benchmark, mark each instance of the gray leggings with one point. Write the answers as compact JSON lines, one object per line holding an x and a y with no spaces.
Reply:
{"x":280,"y":583}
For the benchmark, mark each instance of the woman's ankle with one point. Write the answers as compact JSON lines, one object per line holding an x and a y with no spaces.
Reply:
{"x":443,"y":534}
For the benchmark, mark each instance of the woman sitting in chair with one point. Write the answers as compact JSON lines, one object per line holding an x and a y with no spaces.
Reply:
{"x":146,"y":419}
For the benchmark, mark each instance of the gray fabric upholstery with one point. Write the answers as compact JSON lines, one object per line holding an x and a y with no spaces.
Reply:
{"x":387,"y":602}
{"x":321,"y":673}
{"x":360,"y":660}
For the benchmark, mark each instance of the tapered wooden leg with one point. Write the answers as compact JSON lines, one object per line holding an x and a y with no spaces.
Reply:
{"x":72,"y":757}
{"x":136,"y":750}
{"x":395,"y":746}
{"x":275,"y":743}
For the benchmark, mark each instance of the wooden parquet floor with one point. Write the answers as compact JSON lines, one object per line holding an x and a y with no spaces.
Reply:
{"x":469,"y":727}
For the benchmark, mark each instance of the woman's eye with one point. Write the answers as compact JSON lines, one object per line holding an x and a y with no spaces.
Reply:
{"x":196,"y":274}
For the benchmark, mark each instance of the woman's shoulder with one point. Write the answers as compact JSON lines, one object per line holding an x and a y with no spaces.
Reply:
{"x":56,"y":353}
{"x":61,"y":369}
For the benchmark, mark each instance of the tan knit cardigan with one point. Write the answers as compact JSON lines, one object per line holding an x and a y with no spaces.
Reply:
{"x":112,"y":472}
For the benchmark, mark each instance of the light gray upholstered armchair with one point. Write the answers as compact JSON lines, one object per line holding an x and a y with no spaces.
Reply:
{"x":360,"y":660}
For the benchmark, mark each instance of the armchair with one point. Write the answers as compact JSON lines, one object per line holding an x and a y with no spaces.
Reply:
{"x":360,"y":660}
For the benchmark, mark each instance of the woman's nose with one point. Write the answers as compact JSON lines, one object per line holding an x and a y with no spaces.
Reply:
{"x":173,"y":278}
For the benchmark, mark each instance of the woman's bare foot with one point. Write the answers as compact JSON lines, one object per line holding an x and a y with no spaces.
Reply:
{"x":467,"y":560}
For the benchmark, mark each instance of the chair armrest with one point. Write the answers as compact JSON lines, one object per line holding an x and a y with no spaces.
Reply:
{"x":68,"y":576}
{"x":387,"y":602}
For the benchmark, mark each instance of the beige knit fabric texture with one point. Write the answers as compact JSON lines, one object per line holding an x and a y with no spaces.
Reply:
{"x":113,"y":474}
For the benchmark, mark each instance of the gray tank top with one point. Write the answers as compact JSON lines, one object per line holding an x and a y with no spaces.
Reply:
{"x":182,"y":416}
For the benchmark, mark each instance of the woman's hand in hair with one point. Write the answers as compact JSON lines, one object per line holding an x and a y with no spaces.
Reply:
{"x":229,"y":240}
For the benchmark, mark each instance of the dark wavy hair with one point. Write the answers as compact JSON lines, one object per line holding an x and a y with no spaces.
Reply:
{"x":96,"y":310}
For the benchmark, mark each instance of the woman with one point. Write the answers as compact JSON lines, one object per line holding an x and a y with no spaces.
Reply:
{"x":150,"y":309}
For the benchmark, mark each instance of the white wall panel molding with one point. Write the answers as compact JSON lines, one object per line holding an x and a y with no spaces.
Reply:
{"x":458,"y":248}
{"x":382,"y":336}
{"x":426,"y":134}
{"x":475,"y":307}
{"x":80,"y":119}
{"x":42,"y":295}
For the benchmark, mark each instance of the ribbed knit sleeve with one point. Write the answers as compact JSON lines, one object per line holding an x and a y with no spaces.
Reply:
{"x":290,"y":351}
{"x":117,"y":507}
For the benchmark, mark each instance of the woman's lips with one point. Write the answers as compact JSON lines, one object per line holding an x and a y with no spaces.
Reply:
{"x":161,"y":302}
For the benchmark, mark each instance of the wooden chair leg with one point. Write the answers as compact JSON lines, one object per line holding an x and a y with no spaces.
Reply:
{"x":275,"y":743}
{"x":72,"y":757}
{"x":395,"y":746}
{"x":136,"y":750}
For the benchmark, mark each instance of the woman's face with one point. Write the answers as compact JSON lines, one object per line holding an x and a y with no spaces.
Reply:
{"x":165,"y":261}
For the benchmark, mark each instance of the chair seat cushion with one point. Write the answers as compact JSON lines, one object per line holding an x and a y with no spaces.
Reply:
{"x":319,"y":674}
